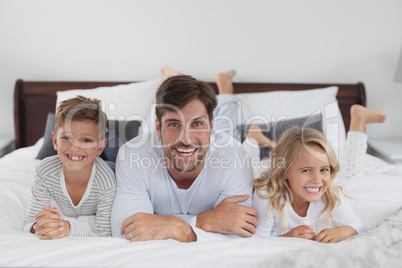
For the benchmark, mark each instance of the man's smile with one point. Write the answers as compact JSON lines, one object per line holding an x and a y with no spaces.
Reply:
{"x":186,"y":152}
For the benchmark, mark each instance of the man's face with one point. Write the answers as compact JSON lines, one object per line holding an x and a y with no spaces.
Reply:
{"x":185,"y":136}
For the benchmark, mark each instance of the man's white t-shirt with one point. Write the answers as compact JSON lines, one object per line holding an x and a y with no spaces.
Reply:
{"x":144,"y":184}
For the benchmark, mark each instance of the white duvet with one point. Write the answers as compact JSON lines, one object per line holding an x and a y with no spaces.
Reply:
{"x":378,"y":204}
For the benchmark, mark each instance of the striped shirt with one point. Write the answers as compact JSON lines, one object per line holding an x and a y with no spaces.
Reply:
{"x":49,"y":185}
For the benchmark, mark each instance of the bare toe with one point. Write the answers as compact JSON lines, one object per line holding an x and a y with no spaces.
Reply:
{"x":255,"y":132}
{"x":367,"y":115}
{"x":169,"y":72}
{"x":224,"y":81}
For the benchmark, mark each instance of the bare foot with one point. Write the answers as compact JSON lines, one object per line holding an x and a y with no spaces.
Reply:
{"x":169,"y":72}
{"x":256,"y":133}
{"x":224,"y":82}
{"x":360,"y":116}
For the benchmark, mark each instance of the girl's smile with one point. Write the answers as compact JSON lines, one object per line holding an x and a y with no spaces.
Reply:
{"x":309,"y":176}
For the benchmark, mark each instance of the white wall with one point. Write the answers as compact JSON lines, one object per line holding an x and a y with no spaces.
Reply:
{"x":265,"y":41}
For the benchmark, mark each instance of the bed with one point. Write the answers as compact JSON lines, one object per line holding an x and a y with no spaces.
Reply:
{"x":377,"y":194}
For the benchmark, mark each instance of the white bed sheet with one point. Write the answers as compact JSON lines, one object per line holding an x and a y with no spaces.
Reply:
{"x":378,"y":194}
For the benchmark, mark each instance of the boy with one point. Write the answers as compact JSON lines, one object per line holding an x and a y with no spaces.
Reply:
{"x":76,"y":179}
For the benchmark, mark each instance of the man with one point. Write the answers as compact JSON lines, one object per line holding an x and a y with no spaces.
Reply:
{"x":183,"y":183}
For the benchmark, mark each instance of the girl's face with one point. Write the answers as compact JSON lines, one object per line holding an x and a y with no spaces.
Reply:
{"x":310,"y":175}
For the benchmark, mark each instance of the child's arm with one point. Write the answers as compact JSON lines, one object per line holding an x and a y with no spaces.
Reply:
{"x":264,"y":228}
{"x":302,"y":231}
{"x":332,"y":235}
{"x":351,"y":225}
{"x":102,"y":217}
{"x":50,"y":225}
{"x":40,"y":198}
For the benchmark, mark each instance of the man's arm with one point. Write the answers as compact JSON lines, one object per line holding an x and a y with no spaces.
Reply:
{"x":233,"y":213}
{"x":145,"y":226}
{"x":131,"y":193}
{"x":133,"y":215}
{"x":229,"y":217}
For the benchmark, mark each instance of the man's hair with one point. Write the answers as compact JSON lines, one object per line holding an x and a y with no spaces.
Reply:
{"x":81,"y":109}
{"x":177,"y":91}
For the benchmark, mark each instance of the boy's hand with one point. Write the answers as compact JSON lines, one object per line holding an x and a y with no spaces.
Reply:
{"x":332,"y":235}
{"x":45,"y":211}
{"x":302,"y":231}
{"x":50,"y":225}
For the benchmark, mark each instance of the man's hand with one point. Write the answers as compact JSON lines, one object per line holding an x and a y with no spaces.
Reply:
{"x":50,"y":225}
{"x":332,"y":235}
{"x":230,"y":218}
{"x":144,"y":226}
{"x":302,"y":231}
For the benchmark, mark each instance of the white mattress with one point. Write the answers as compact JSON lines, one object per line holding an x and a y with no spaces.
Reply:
{"x":378,"y":194}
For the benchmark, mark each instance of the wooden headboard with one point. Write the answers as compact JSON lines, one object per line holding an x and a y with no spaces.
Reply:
{"x":33,"y":100}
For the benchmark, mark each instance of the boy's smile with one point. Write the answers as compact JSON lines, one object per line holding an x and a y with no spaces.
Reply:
{"x":77,"y":144}
{"x":75,"y":158}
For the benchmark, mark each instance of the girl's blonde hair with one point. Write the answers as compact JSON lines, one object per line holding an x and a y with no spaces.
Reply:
{"x":286,"y":152}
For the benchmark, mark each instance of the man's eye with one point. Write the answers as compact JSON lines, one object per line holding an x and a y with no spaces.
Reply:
{"x":173,"y":125}
{"x":198,"y":124}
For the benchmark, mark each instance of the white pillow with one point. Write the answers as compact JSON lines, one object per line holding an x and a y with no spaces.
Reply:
{"x":136,"y":102}
{"x":123,"y":102}
{"x":278,"y":105}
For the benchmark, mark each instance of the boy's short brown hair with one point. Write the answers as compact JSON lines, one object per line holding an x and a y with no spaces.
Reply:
{"x":81,"y":109}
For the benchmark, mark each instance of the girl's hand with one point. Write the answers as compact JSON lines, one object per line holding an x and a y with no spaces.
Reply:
{"x":332,"y":235}
{"x":302,"y":231}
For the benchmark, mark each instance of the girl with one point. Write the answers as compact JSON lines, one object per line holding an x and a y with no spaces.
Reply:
{"x":296,"y":197}
{"x":297,"y":191}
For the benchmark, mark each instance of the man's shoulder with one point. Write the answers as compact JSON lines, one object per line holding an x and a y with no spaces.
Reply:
{"x":146,"y":142}
{"x":142,"y":151}
{"x":226,"y":157}
{"x":224,"y":144}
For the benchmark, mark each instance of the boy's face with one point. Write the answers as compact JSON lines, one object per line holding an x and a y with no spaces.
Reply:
{"x":77,"y":144}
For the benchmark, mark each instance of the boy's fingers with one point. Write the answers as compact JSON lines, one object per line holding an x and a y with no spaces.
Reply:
{"x":44,"y":223}
{"x":48,"y":231}
{"x":47,"y":237}
{"x":43,"y":213}
{"x":55,"y":232}
{"x":48,"y":215}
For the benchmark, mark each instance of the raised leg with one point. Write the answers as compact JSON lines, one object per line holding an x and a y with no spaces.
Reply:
{"x":361,"y":116}
{"x":224,"y":81}
{"x":355,"y":147}
{"x":255,"y":132}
